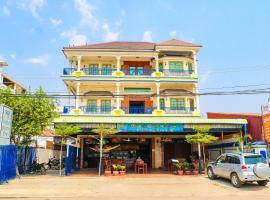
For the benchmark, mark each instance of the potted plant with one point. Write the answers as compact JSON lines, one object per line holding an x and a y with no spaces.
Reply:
{"x":115,"y":170}
{"x":179,"y":168}
{"x":122,"y":169}
{"x":186,"y":168}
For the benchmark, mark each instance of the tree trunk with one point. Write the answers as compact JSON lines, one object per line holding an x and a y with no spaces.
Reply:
{"x":100,"y":153}
{"x":204,"y":160}
{"x":60,"y":157}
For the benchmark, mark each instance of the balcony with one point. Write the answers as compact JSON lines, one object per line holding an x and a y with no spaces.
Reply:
{"x":138,"y":72}
{"x":90,"y":71}
{"x":172,"y":72}
{"x":178,"y":110}
{"x":138,"y":110}
{"x":130,"y":110}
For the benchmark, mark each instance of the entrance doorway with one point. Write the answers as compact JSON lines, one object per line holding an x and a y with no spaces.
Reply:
{"x":178,"y":149}
{"x":136,"y":107}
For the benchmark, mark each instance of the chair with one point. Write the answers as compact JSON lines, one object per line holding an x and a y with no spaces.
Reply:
{"x":140,"y":167}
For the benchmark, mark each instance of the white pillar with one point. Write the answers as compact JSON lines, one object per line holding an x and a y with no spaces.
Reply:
{"x":118,"y":97}
{"x":158,"y":98}
{"x":77,"y":103}
{"x":195,"y":62}
{"x":118,"y":63}
{"x":79,"y":58}
{"x":157,"y":66}
{"x":1,"y":77}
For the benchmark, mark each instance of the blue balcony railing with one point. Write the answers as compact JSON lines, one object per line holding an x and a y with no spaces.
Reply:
{"x":178,"y":110}
{"x":69,"y":71}
{"x":138,"y":72}
{"x":172,"y":72}
{"x":67,"y":109}
{"x":97,"y":109}
{"x":138,"y":110}
{"x":98,"y":71}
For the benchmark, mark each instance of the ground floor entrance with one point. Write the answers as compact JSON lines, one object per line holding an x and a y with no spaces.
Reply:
{"x":156,"y":152}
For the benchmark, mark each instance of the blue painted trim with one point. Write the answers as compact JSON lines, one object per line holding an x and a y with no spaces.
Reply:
{"x":223,"y":145}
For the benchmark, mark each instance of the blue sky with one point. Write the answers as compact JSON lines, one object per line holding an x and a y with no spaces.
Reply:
{"x":235,"y":36}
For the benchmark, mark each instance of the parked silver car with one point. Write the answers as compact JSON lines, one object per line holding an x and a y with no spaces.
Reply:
{"x":240,"y":168}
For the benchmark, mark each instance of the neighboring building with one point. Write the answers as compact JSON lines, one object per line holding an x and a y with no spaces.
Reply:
{"x":145,"y":90}
{"x":8,"y":81}
{"x":255,"y":124}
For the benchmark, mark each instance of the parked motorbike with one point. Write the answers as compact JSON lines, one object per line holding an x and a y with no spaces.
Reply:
{"x":37,"y":168}
{"x":54,"y":163}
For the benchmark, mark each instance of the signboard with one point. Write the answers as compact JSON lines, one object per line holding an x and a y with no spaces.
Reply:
{"x":5,"y":124}
{"x":140,"y":127}
{"x":266,"y":121}
{"x":93,"y":125}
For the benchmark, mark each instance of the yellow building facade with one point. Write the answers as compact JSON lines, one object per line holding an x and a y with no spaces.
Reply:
{"x":148,"y":91}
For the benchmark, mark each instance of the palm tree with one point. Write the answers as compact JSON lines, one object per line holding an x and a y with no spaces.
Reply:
{"x":103,"y":131}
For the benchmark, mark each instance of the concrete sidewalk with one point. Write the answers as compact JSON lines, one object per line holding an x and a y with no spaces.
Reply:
{"x":143,"y":187}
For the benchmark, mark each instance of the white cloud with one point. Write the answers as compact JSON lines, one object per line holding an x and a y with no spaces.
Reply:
{"x":109,"y":35}
{"x":147,"y":36}
{"x":6,"y":11}
{"x":86,"y":11}
{"x":33,"y":6}
{"x":38,"y":60}
{"x":55,"y":21}
{"x":13,"y":56}
{"x":74,"y":37}
{"x":173,"y":33}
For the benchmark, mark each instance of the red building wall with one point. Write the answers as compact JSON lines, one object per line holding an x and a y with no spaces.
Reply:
{"x":254,"y":122}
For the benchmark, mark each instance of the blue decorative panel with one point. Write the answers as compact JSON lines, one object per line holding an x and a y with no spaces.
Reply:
{"x":140,"y":127}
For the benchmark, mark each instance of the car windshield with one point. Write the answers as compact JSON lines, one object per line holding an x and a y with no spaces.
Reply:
{"x":249,"y":160}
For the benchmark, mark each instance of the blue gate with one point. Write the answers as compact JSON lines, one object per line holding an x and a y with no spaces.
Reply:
{"x":8,"y":155}
{"x":72,"y":159}
{"x":25,"y":158}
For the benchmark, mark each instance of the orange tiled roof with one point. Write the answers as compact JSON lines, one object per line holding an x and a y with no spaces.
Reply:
{"x":47,"y":133}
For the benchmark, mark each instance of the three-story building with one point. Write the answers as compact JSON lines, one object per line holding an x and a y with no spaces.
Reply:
{"x":148,"y":91}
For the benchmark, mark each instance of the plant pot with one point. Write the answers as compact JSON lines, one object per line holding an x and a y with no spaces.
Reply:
{"x":108,"y":172}
{"x":180,"y":172}
{"x":122,"y":172}
{"x":115,"y":173}
{"x":187,"y":172}
{"x":195,"y":172}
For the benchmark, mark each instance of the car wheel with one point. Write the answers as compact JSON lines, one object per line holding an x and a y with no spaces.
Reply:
{"x":236,"y":181}
{"x":210,"y":173}
{"x":262,"y":183}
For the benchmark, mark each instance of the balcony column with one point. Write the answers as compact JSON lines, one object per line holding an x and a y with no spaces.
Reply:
{"x":77,"y":102}
{"x":158,"y":97}
{"x":79,"y":58}
{"x":118,"y":97}
{"x":157,"y":65}
{"x":118,"y":63}
{"x":195,"y":62}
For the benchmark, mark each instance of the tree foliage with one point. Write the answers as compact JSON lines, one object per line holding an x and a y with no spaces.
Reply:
{"x":66,"y":130}
{"x":31,"y":113}
{"x":201,"y":136}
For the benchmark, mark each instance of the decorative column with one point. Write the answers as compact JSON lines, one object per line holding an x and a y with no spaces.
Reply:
{"x":77,"y":103}
{"x":158,"y":97}
{"x":79,"y":58}
{"x":157,"y":65}
{"x":118,"y":63}
{"x":118,"y":111}
{"x":118,"y":72}
{"x":158,"y":111}
{"x":197,"y":110}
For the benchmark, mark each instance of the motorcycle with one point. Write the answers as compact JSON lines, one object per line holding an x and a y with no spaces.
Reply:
{"x":54,"y":163}
{"x":37,"y":168}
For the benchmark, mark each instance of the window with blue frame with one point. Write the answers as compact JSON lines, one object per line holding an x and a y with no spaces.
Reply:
{"x":177,"y":104}
{"x":91,"y":105}
{"x":191,"y":104}
{"x":105,"y":106}
{"x":136,"y":71}
{"x":132,"y":70}
{"x":160,"y":67}
{"x":162,"y":104}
